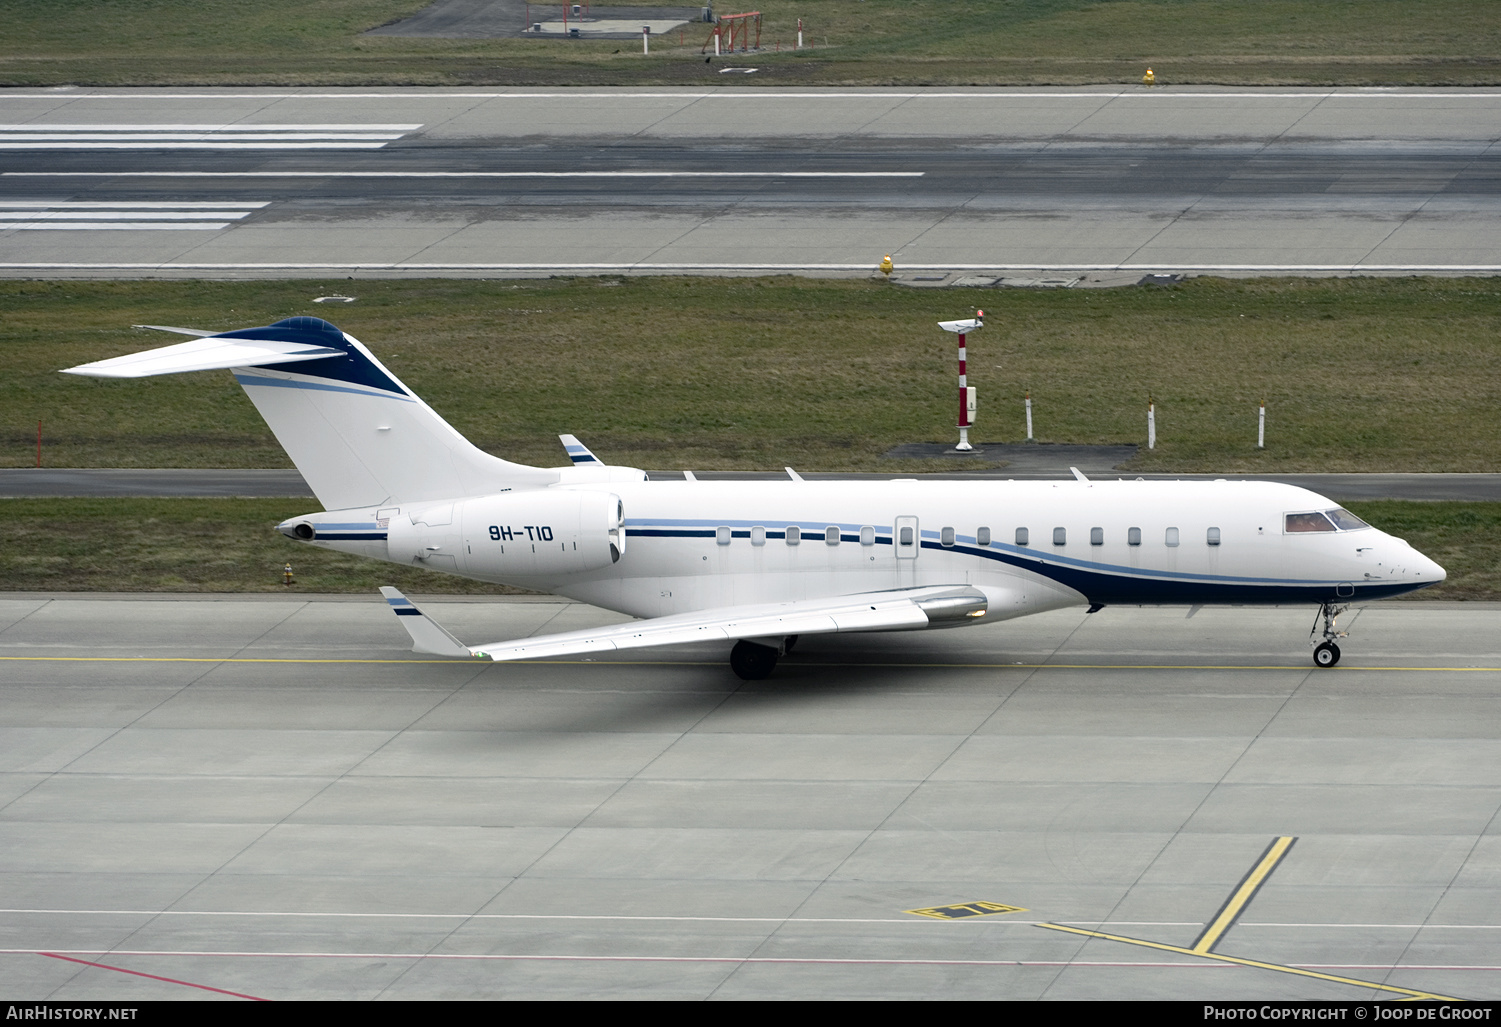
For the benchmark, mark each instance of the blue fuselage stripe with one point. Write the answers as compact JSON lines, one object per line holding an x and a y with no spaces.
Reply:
{"x":1111,"y":584}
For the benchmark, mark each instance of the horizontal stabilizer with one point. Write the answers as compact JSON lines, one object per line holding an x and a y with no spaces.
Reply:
{"x":199,"y":332}
{"x":204,"y":354}
{"x":427,"y":635}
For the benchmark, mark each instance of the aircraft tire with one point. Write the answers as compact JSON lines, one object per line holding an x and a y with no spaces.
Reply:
{"x":752,"y":662}
{"x":1326,"y":655}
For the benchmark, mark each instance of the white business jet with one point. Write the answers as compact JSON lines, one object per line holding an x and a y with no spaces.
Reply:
{"x":760,"y":563}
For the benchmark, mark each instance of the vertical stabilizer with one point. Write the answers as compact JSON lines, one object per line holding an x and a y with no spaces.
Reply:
{"x":358,"y":435}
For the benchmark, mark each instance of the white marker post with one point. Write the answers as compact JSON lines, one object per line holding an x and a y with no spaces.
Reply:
{"x":1151,"y":424}
{"x":645,"y":37}
{"x":1261,"y":427}
{"x":966,"y":394}
{"x":1029,"y":415}
{"x":716,"y":40}
{"x":799,"y":33}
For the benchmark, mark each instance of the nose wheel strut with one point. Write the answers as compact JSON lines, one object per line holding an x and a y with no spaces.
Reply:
{"x":1326,"y":653}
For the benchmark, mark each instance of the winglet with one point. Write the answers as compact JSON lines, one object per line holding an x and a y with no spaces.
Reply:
{"x":427,"y":635}
{"x":578,"y":452}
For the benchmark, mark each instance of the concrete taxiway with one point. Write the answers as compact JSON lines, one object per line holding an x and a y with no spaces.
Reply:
{"x":272,"y":798}
{"x":990,"y":182}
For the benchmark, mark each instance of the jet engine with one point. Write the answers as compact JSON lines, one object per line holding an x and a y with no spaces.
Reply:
{"x":542,"y":533}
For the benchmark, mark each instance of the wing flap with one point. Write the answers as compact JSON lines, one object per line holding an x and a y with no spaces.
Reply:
{"x":204,"y":354}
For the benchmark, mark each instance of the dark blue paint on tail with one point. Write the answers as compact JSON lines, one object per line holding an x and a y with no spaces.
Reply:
{"x":354,"y":368}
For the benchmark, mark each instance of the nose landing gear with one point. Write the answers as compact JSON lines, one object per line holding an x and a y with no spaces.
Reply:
{"x":1326,"y":653}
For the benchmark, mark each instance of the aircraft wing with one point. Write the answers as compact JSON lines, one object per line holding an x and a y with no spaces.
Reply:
{"x":892,"y":610}
{"x":202,"y":355}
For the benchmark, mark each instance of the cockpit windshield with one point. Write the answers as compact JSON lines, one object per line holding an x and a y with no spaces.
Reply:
{"x":1338,"y":519}
{"x":1345,"y":520}
{"x":1308,"y":522}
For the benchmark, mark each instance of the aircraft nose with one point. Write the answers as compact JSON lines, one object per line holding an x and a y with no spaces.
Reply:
{"x":1429,"y":571}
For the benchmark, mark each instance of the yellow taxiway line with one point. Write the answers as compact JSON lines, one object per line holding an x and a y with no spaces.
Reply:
{"x":1258,"y":964}
{"x":1203,"y":946}
{"x":1242,"y":894}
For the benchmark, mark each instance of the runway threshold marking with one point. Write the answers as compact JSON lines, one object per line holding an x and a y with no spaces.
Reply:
{"x":154,"y":977}
{"x":1203,"y":945}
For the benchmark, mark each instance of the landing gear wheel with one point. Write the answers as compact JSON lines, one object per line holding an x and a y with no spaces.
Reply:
{"x":752,"y":662}
{"x":1326,"y":655}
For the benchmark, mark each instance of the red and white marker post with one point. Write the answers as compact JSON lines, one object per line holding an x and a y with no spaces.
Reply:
{"x":966,"y":394}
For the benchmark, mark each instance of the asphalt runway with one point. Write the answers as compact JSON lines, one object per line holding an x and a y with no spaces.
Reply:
{"x":225,"y":796}
{"x":22,"y":482}
{"x":1016,"y":182}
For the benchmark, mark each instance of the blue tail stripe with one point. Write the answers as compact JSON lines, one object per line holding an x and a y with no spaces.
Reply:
{"x":353,"y":368}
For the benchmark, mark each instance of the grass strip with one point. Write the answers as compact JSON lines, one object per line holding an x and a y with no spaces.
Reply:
{"x":230,"y":545}
{"x":1359,"y":374}
{"x":874,"y":42}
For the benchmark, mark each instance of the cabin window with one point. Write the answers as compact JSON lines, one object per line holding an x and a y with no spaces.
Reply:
{"x":946,"y":536}
{"x":1344,"y":520}
{"x":722,"y":535}
{"x":1097,"y":536}
{"x":794,"y":534}
{"x":831,"y":535}
{"x":1213,"y":536}
{"x":1307,"y":522}
{"x":982,"y":536}
{"x":905,"y":537}
{"x":868,"y":536}
{"x":758,"y":536}
{"x":1060,"y":536}
{"x":1133,"y":536}
{"x":1021,"y":536}
{"x":1172,"y":537}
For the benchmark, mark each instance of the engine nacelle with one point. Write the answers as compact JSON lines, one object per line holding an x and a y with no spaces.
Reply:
{"x":546,"y":533}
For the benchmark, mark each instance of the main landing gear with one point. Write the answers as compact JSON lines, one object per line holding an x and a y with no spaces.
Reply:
{"x":752,"y":661}
{"x":1326,"y":653}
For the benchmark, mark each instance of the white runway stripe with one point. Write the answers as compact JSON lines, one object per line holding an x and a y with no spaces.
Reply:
{"x":116,"y":226}
{"x":462,"y":174}
{"x":146,"y":205}
{"x":116,"y":128}
{"x":83,"y":216}
{"x":147,"y":145}
{"x":122,"y":215}
{"x":50,"y":136}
